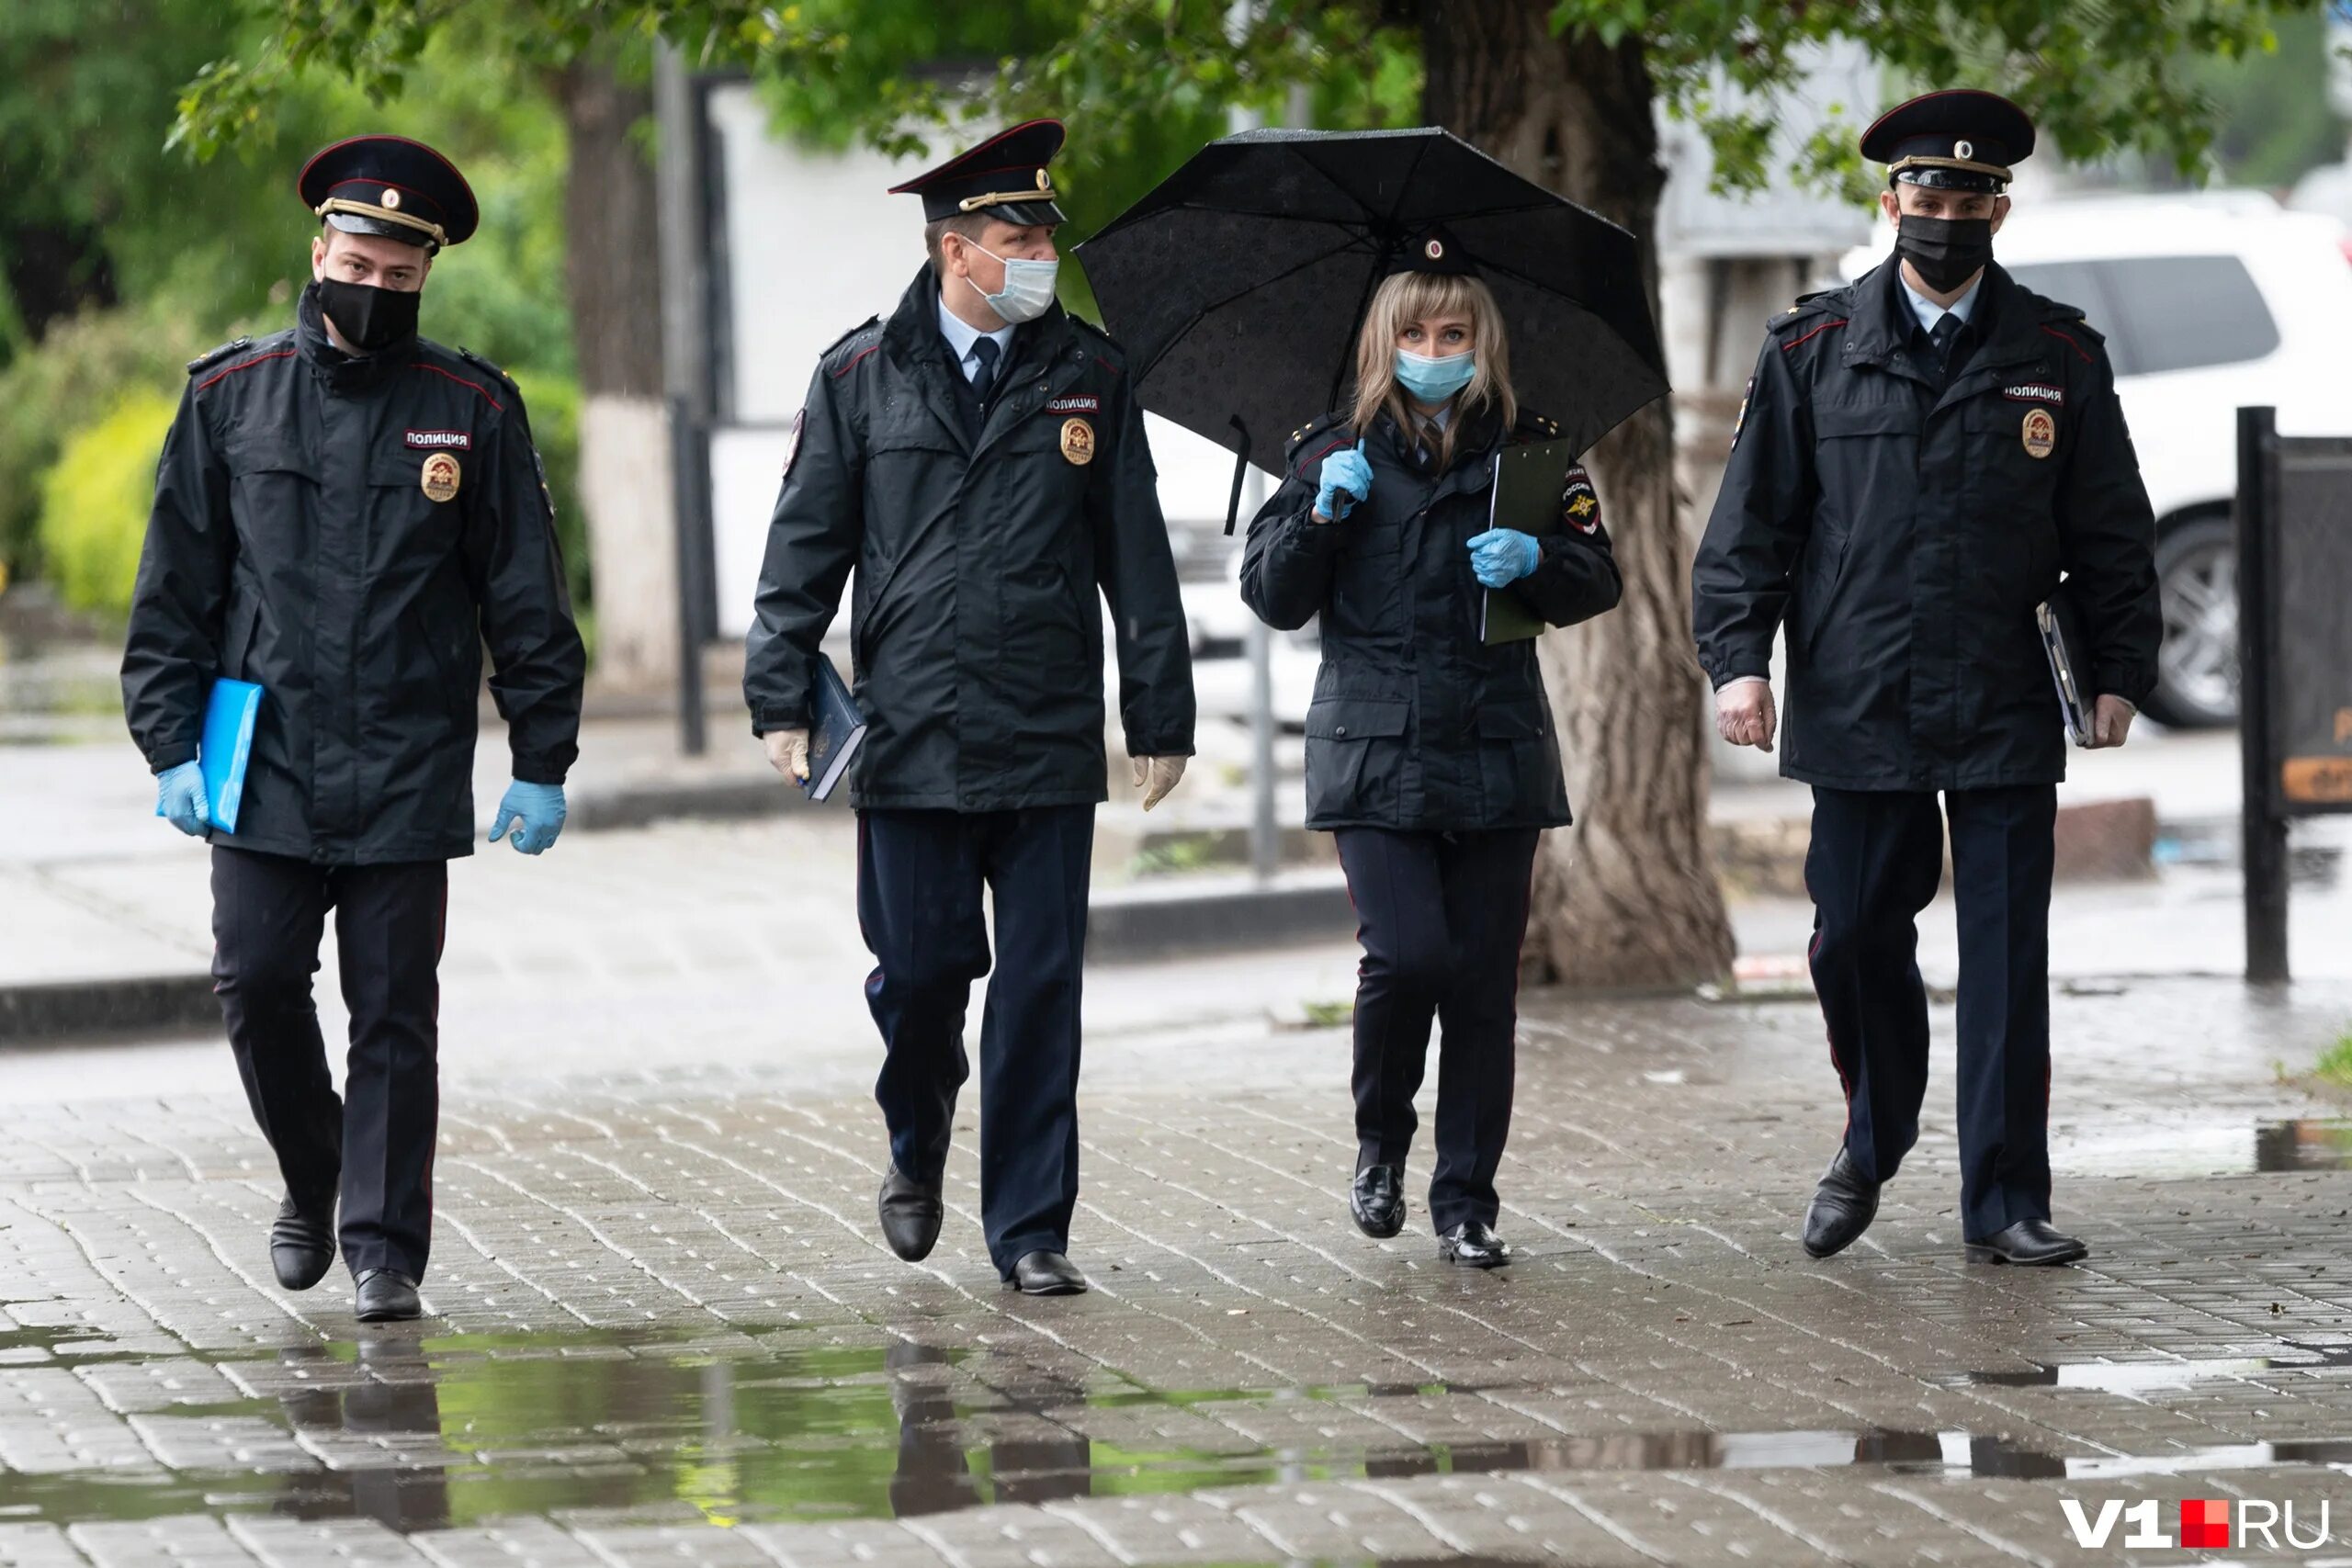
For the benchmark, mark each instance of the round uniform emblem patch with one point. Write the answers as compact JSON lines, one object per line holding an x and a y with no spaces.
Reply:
{"x":1078,"y":441}
{"x":2041,"y":436}
{"x":440,"y":478}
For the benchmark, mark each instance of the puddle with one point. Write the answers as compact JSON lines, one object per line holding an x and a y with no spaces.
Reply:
{"x":2311,"y":1144}
{"x":2157,"y":1149}
{"x":426,"y":1432}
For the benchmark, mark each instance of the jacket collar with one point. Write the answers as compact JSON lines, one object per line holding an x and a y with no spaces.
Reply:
{"x":1883,"y":325}
{"x":911,"y":337}
{"x":343,"y":372}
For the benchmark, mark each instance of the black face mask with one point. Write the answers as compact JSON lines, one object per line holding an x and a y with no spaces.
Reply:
{"x":368,"y":318}
{"x":1944,"y":252}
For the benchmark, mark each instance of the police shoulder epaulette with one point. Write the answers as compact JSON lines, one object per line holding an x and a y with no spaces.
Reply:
{"x":1806,"y":307}
{"x":216,"y":356}
{"x":2070,"y":318}
{"x":846,"y":338}
{"x":1311,"y":429}
{"x":471,"y":357}
{"x":1534,"y":426}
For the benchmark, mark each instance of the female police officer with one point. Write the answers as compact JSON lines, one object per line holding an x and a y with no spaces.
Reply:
{"x":1429,"y":754}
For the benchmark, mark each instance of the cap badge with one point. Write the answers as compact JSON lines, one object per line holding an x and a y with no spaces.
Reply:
{"x":2041,"y":434}
{"x":1434,"y":249}
{"x":1043,"y":183}
{"x":1964,"y":148}
{"x":391,"y":201}
{"x":439,"y":480}
{"x":1077,"y":442}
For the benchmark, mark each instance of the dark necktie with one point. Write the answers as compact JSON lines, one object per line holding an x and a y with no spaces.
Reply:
{"x":1946,"y":332}
{"x":984,"y":350}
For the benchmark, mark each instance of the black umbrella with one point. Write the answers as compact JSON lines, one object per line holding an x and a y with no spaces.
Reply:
{"x":1239,"y":282}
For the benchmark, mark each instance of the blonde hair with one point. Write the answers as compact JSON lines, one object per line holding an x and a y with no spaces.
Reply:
{"x":1408,"y":296}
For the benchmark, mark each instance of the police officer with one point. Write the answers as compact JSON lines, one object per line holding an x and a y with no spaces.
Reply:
{"x":1922,"y":455}
{"x":979,"y":460}
{"x":345,"y":512}
{"x":1430,"y":753}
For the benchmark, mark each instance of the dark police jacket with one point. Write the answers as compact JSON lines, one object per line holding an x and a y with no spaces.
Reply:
{"x":1905,"y":531}
{"x":975,"y":630}
{"x":306,"y":536}
{"x":1417,"y":723}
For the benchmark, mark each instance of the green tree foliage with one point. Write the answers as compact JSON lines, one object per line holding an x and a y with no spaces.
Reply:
{"x":94,"y":502}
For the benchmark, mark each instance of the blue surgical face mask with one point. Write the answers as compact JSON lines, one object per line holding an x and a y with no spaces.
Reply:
{"x":1432,"y":379}
{"x":1028,"y":287}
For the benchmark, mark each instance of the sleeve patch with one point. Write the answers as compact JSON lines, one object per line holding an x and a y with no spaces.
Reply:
{"x":792,"y":443}
{"x":1579,"y":502}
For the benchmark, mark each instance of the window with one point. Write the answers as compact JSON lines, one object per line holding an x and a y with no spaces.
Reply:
{"x":2180,"y":313}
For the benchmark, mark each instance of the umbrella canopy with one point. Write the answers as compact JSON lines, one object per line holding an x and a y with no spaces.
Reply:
{"x":1239,"y":281}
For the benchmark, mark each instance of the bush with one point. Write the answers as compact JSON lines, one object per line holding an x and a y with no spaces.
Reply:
{"x":95,"y":500}
{"x":81,"y":368}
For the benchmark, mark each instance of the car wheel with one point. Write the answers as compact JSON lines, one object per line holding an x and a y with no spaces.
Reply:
{"x":2197,"y":668}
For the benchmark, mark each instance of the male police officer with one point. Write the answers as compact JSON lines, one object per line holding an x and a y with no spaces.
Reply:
{"x":344,"y":513}
{"x":980,"y":459}
{"x":1921,"y":455}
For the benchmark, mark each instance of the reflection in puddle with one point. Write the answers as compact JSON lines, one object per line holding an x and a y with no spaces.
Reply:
{"x":2308,"y":1144}
{"x":424,"y":1433}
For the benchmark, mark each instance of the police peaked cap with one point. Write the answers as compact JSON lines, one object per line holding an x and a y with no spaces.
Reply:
{"x":1430,"y":250}
{"x":1003,"y":177}
{"x":392,"y":186}
{"x":1958,"y":140}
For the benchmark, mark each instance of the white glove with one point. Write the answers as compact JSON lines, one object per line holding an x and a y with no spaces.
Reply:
{"x":1156,"y":776}
{"x":789,"y":753}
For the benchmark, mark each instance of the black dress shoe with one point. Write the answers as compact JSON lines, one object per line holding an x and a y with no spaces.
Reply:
{"x":1474,"y":1244}
{"x":2028,"y":1242}
{"x":911,"y":1212}
{"x":1043,"y":1273}
{"x":1377,"y":1199}
{"x":386,"y":1295}
{"x":301,"y":1246}
{"x":1843,"y":1207}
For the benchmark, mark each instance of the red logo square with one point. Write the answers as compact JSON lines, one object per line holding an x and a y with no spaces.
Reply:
{"x":2204,"y":1521}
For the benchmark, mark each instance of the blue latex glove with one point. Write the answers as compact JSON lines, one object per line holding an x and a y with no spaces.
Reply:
{"x":1346,"y":479}
{"x":180,"y":799}
{"x":1502,"y":556}
{"x":538,"y":811}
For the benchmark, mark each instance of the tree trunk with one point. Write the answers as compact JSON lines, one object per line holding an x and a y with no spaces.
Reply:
{"x":1628,"y":896}
{"x":615,"y":288}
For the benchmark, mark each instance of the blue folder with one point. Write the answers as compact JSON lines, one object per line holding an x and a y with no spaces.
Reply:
{"x":227,"y":746}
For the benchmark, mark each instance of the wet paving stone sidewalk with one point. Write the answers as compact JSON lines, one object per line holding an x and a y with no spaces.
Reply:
{"x":663,"y":1329}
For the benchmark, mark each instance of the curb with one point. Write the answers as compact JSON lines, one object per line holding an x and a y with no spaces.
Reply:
{"x":71,"y":1010}
{"x":1124,"y":925}
{"x":1135,"y":926}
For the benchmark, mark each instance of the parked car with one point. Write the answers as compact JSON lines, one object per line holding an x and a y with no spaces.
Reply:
{"x":2207,"y":301}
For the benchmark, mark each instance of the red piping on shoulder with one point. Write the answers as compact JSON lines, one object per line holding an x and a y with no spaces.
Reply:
{"x":1114,"y":369}
{"x":242,"y":364}
{"x":854,"y":359}
{"x":461,"y":381}
{"x":1814,"y":333}
{"x":1343,"y":441}
{"x":2070,"y":342}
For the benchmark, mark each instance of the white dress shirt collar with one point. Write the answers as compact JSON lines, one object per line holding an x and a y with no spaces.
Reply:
{"x":961,"y":336}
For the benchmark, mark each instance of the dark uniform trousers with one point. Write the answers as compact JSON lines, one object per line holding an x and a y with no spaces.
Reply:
{"x":1441,"y":917}
{"x":919,"y":877}
{"x":269,"y":914}
{"x":1875,"y":862}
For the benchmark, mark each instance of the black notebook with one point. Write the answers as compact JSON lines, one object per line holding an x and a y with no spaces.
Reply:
{"x":2061,"y":639}
{"x":835,"y":729}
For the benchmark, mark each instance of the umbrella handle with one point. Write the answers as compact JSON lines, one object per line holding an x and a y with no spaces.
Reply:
{"x":1240,"y":470}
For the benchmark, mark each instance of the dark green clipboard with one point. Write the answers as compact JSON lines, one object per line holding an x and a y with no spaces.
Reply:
{"x":1529,"y":480}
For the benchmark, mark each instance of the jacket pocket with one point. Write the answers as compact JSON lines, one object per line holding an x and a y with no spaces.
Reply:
{"x":1518,"y":763}
{"x":1355,"y":756}
{"x":273,"y":488}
